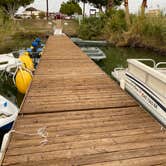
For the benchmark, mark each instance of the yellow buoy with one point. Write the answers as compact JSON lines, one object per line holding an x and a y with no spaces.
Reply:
{"x":23,"y":80}
{"x":27,"y":61}
{"x":26,"y":53}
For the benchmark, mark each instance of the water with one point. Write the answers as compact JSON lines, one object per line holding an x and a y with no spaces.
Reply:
{"x":9,"y":91}
{"x":116,"y":57}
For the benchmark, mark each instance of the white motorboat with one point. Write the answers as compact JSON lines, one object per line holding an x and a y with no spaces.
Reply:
{"x":8,"y":114}
{"x":8,"y":62}
{"x":94,"y":53}
{"x":147,"y":84}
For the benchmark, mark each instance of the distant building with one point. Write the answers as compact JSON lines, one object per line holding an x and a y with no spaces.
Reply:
{"x":92,"y":12}
{"x":154,"y":12}
{"x":29,"y":12}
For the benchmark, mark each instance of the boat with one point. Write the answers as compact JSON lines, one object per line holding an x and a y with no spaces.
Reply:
{"x":147,"y":84}
{"x":8,"y":62}
{"x":8,"y":114}
{"x":94,"y":53}
{"x":82,"y":42}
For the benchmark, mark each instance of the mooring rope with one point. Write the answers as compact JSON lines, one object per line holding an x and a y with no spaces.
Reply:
{"x":41,"y":132}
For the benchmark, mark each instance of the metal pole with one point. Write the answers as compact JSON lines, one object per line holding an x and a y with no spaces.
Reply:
{"x":47,"y":8}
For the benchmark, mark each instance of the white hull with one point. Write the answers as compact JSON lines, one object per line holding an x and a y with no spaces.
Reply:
{"x":8,"y":113}
{"x":147,"y":98}
{"x":146,"y":84}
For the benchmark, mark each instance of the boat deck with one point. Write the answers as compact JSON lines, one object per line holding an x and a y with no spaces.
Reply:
{"x":88,"y":118}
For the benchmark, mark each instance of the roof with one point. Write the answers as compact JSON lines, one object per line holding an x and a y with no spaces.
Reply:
{"x":31,"y":9}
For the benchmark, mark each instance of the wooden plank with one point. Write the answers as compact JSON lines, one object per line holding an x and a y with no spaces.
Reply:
{"x":144,"y":161}
{"x":64,"y":142}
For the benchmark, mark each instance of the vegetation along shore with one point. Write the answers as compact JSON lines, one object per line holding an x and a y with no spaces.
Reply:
{"x":122,"y":29}
{"x":115,"y":25}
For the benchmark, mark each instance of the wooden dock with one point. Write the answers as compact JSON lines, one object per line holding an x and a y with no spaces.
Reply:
{"x":89,"y":119}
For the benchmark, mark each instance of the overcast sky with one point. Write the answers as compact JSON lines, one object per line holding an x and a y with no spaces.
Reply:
{"x":134,"y":5}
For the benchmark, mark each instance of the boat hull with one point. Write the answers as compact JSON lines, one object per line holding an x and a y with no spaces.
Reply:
{"x":6,"y":128}
{"x":147,"y":98}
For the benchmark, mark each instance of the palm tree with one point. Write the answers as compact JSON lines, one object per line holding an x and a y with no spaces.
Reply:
{"x":143,"y":6}
{"x":127,"y":14}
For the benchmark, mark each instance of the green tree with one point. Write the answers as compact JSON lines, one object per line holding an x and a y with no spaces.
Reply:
{"x":103,"y":3}
{"x":9,"y":7}
{"x":70,"y":7}
{"x":113,"y":3}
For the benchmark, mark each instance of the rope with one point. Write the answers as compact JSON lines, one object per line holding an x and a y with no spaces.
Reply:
{"x":41,"y":132}
{"x":163,"y":129}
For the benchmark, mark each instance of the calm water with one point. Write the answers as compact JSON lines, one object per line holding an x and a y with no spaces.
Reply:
{"x":116,"y":57}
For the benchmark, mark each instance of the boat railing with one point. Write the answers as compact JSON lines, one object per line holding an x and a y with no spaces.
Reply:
{"x":142,"y":71}
{"x":159,"y":64}
{"x":146,"y":60}
{"x":118,"y":68}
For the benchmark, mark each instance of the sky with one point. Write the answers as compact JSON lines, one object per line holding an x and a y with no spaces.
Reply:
{"x":134,"y":5}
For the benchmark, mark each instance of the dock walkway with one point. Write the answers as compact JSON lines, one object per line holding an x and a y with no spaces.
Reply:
{"x":89,"y":119}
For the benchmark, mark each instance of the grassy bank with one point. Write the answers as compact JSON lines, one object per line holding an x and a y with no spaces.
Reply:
{"x":148,"y":32}
{"x":70,"y":27}
{"x":16,"y":34}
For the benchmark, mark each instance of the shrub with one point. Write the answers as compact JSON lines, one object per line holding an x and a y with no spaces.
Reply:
{"x":115,"y":22}
{"x":33,"y":16}
{"x":150,"y":27}
{"x":42,"y":15}
{"x":91,"y":27}
{"x":107,"y":24}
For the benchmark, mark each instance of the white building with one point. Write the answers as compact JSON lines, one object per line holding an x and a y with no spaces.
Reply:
{"x":29,"y":12}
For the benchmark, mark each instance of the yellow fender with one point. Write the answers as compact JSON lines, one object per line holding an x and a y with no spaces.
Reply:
{"x":27,"y":61}
{"x":26,"y":53}
{"x":23,"y":80}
